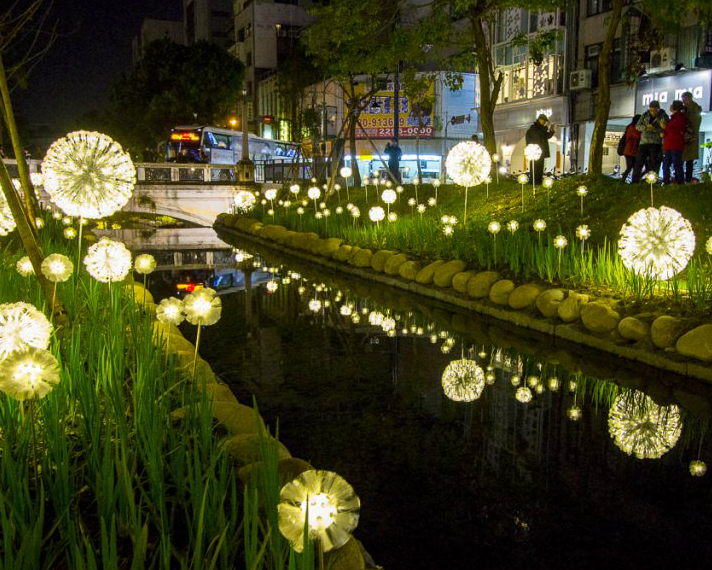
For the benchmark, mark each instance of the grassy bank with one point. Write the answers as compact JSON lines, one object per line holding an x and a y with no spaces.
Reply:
{"x":524,"y":253}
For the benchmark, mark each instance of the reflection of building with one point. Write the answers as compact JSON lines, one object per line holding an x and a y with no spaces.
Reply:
{"x":153,"y":30}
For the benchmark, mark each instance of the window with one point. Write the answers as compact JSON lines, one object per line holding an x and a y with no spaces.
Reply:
{"x":591,"y":62}
{"x":248,"y":59}
{"x":241,"y":35}
{"x":594,"y":7}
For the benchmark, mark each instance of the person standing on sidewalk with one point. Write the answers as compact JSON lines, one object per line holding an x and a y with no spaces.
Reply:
{"x":693,"y":113}
{"x":650,"y":149}
{"x":630,"y":147}
{"x":674,"y":143}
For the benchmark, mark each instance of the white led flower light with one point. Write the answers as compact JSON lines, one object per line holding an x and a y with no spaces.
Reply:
{"x":7,"y":222}
{"x":656,"y":242}
{"x":108,"y":261}
{"x":170,"y":311}
{"x":244,"y":201}
{"x":463,"y":380}
{"x":88,"y":175}
{"x":145,"y":264}
{"x":25,"y":267}
{"x":389,"y":196}
{"x":57,"y":268}
{"x":21,"y":327}
{"x":202,"y":307}
{"x":376,"y":214}
{"x":532,"y":152}
{"x":28,"y":374}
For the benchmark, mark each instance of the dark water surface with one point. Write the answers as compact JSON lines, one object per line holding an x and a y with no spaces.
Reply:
{"x":488,"y":483}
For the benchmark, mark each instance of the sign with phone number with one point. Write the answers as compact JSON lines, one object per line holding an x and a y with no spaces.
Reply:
{"x":387,"y":132}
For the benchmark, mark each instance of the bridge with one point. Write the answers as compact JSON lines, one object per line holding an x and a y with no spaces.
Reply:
{"x":193,"y":193}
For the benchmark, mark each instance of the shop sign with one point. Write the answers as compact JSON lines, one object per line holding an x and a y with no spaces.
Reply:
{"x":669,"y":88}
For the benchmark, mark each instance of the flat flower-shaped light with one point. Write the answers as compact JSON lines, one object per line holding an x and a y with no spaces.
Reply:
{"x":560,"y":242}
{"x":532,"y":152}
{"x":315,"y":305}
{"x":376,"y":214}
{"x":144,"y":263}
{"x":547,"y":182}
{"x":583,"y":232}
{"x":640,"y":427}
{"x":389,"y":196}
{"x":392,"y":217}
{"x":271,"y":286}
{"x":468,"y":163}
{"x":24,"y":267}
{"x":88,"y":175}
{"x":324,"y":503}
{"x":202,"y":307}
{"x":7,"y":222}
{"x":697,"y":468}
{"x":581,"y":190}
{"x":271,"y":193}
{"x":57,"y":268}
{"x":421,"y":208}
{"x":656,"y":242}
{"x":70,"y":233}
{"x":539,"y":225}
{"x":522,"y":179}
{"x":651,"y":177}
{"x":294,"y":189}
{"x":463,"y":380}
{"x":21,"y":327}
{"x":170,"y":311}
{"x":244,"y":201}
{"x":493,"y":227}
{"x":28,"y":374}
{"x":355,"y":212}
{"x":108,"y":261}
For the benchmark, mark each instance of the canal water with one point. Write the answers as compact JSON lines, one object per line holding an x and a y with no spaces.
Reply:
{"x":536,"y":456}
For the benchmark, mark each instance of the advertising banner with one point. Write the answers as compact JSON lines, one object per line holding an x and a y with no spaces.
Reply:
{"x":668,"y":88}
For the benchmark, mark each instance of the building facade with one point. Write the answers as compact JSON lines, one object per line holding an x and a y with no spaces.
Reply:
{"x":208,"y":20}
{"x":153,"y":30}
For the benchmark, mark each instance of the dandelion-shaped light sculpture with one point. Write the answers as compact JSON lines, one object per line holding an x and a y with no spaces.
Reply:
{"x":271,"y":286}
{"x":523,"y":395}
{"x":436,"y":185}
{"x":376,"y":214}
{"x":314,"y":194}
{"x":468,"y":164}
{"x":22,"y":326}
{"x":651,"y":178}
{"x":697,"y":468}
{"x":583,"y":233}
{"x":57,"y":268}
{"x":512,"y":226}
{"x":314,"y":305}
{"x":108,"y":261}
{"x":355,"y":214}
{"x":244,"y":201}
{"x":392,"y":217}
{"x":144,"y":264}
{"x":324,"y":504}
{"x":539,"y":226}
{"x":29,"y":374}
{"x":708,"y":246}
{"x":560,"y":242}
{"x":640,"y":427}
{"x":495,"y":161}
{"x":581,"y":191}
{"x":271,"y":195}
{"x":554,"y":384}
{"x":25,"y":267}
{"x":548,"y":183}
{"x":7,"y":222}
{"x":202,"y":308}
{"x":574,"y":413}
{"x":494,"y":228}
{"x":522,"y":179}
{"x":463,"y":380}
{"x":69,"y":233}
{"x":389,"y":197}
{"x":88,"y":175}
{"x":657,"y":243}
{"x":532,"y":152}
{"x":170,"y":311}
{"x":295,"y":189}
{"x":421,"y":209}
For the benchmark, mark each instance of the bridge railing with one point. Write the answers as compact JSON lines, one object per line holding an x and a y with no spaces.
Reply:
{"x":166,"y":173}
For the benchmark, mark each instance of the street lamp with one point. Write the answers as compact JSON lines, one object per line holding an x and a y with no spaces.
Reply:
{"x":245,"y":168}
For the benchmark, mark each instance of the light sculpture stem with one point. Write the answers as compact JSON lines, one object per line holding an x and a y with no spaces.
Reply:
{"x":465,"y":216}
{"x":315,"y":209}
{"x":533,"y":185}
{"x":581,"y":206}
{"x":143,"y":301}
{"x":366,"y":188}
{"x":651,"y":195}
{"x":197,"y":343}
{"x":51,"y":307}
{"x":348,"y":198}
{"x":487,"y":190}
{"x":79,"y":245}
{"x":320,"y":553}
{"x":34,"y":443}
{"x":522,"y":197}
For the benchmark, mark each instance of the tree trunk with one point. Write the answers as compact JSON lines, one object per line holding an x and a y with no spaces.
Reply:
{"x":352,"y":147}
{"x":603,"y":103}
{"x":417,"y":147}
{"x":489,"y":83}
{"x":31,"y":206}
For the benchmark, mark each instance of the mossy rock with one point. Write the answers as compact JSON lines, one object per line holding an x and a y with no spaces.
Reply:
{"x":500,"y":291}
{"x":245,"y":449}
{"x":394,"y":262}
{"x":362,"y":258}
{"x":409,"y":270}
{"x":220,"y":393}
{"x":460,"y":281}
{"x":665,"y":331}
{"x":378,"y":259}
{"x":287,"y":237}
{"x":172,"y":343}
{"x":426,"y":274}
{"x":315,"y":246}
{"x":272,"y":232}
{"x":328,"y":247}
{"x":255,"y":228}
{"x":310,"y":238}
{"x":343,"y":253}
{"x":139,"y":294}
{"x":300,"y":240}
{"x":524,"y":296}
{"x":165,"y":329}
{"x":203,"y":372}
{"x":237,"y":418}
{"x":222,"y":218}
{"x":444,"y":274}
{"x":287,"y":469}
{"x":478,"y":287}
{"x":347,"y":557}
{"x":354,"y":250}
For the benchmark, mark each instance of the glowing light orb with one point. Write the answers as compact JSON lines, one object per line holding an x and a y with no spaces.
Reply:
{"x":581,"y":191}
{"x":392,"y":217}
{"x":389,"y":196}
{"x":294,"y":189}
{"x":300,"y":210}
{"x":698,"y":468}
{"x":270,"y":212}
{"x":651,"y":177}
{"x":108,"y":261}
{"x":495,"y":157}
{"x":28,"y":374}
{"x":69,"y":233}
{"x":202,"y":307}
{"x":57,"y":268}
{"x":523,"y":395}
{"x":88,"y":174}
{"x":463,"y":380}
{"x":512,"y":225}
{"x":57,"y":215}
{"x":271,"y":286}
{"x":494,"y":227}
{"x":318,"y":215}
{"x":432,"y":202}
{"x":170,"y":311}
{"x":388,"y":324}
{"x":515,"y":380}
{"x":36,"y":178}
{"x":331,"y":504}
{"x":708,"y":246}
{"x":532,"y":152}
{"x":315,"y":305}
{"x":314,"y":193}
{"x":345,"y":172}
{"x":554,"y":384}
{"x":22,"y":327}
{"x":244,"y":201}
{"x":345,"y":311}
{"x":399,"y":189}
{"x":7,"y":222}
{"x":560,"y":242}
{"x":421,"y":208}
{"x":468,"y":163}
{"x":523,"y":179}
{"x":271,"y":193}
{"x":656,"y":242}
{"x":448,"y":230}
{"x":436,"y":183}
{"x":145,"y":263}
{"x":640,"y":427}
{"x":574,"y":413}
{"x":583,"y":232}
{"x":39,"y":223}
{"x":376,"y":214}
{"x":24,"y":267}
{"x":355,"y":212}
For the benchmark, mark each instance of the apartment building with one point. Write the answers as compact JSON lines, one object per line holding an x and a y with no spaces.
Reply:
{"x":208,"y":20}
{"x":153,"y":30}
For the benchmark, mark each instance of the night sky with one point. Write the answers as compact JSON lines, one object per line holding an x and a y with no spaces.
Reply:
{"x":93,"y":48}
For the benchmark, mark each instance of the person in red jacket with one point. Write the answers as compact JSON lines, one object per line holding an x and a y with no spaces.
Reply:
{"x":674,"y":143}
{"x":630,"y":149}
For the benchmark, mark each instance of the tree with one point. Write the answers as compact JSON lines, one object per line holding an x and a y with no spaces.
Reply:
{"x":472,"y":24}
{"x":664,"y":17}
{"x":352,"y":38}
{"x":417,"y":87}
{"x":173,"y":84}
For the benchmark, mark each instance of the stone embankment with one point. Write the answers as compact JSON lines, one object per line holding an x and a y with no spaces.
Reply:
{"x":665,"y":341}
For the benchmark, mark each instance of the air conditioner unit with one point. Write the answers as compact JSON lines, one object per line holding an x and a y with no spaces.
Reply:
{"x":662,"y":60}
{"x":580,"y":79}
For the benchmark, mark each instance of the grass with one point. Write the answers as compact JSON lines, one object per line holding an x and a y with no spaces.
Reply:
{"x":526,"y":254}
{"x":109,"y":480}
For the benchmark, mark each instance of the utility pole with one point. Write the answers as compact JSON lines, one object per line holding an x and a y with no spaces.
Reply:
{"x":245,"y":168}
{"x":396,"y":103}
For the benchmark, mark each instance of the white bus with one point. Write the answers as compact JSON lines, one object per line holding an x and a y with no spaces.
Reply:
{"x":216,"y":145}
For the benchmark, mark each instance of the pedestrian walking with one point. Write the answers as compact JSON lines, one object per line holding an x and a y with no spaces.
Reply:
{"x":393,"y":152}
{"x":650,"y":126}
{"x":628,"y":146}
{"x":674,"y":143}
{"x":693,"y":114}
{"x":539,"y":133}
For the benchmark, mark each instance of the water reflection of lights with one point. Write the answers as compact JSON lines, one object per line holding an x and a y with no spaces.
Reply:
{"x":463,"y":380}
